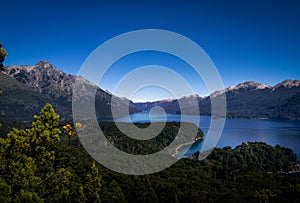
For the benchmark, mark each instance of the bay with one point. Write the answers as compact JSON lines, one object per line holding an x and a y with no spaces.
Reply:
{"x":236,"y":131}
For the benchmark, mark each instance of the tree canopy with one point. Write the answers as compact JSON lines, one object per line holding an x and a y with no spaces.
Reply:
{"x":3,"y":54}
{"x":37,"y":164}
{"x":32,"y":168}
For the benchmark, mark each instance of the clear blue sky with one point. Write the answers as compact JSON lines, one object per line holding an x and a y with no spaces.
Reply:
{"x":247,"y":40}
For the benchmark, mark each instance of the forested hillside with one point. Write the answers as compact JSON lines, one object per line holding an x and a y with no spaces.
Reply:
{"x":38,"y":164}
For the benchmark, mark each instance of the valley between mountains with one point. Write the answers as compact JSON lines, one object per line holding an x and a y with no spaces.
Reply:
{"x":26,"y":89}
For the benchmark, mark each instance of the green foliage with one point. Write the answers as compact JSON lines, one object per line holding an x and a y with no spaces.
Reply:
{"x":143,"y":191}
{"x":18,"y":101}
{"x":3,"y":54}
{"x":32,"y":169}
{"x":264,"y":195}
{"x":61,"y":185}
{"x":92,"y":184}
{"x":27,"y":196}
{"x":113,"y":193}
{"x":142,"y":147}
{"x":36,"y":167}
{"x":166,"y":191}
{"x":5,"y":190}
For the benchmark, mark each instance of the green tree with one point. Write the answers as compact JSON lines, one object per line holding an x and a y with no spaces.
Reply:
{"x":92,"y":186}
{"x":143,"y":190}
{"x":27,"y":157}
{"x":45,"y":133}
{"x":61,"y":187}
{"x":264,"y":195}
{"x":3,"y":54}
{"x":166,"y":192}
{"x":113,"y":193}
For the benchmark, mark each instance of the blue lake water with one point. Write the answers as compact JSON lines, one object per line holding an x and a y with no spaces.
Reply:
{"x":236,"y":131}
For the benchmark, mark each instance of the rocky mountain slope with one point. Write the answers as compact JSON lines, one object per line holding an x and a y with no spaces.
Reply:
{"x":246,"y":100}
{"x":256,"y":100}
{"x":26,"y":89}
{"x":47,"y":84}
{"x":19,"y":101}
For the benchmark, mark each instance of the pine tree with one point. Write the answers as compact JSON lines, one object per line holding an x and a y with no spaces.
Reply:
{"x":92,"y":186}
{"x":27,"y":157}
{"x":3,"y":54}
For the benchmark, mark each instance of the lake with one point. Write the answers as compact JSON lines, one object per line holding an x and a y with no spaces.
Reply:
{"x":236,"y":131}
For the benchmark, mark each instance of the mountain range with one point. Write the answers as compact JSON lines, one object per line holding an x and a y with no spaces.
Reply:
{"x":26,"y":89}
{"x":246,"y":100}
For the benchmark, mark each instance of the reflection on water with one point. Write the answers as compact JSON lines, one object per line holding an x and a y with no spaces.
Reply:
{"x":236,"y":131}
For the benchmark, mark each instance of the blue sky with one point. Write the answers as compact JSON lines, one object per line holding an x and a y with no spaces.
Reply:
{"x":247,"y":40}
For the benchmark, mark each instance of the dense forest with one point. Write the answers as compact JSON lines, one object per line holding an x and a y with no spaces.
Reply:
{"x":45,"y":162}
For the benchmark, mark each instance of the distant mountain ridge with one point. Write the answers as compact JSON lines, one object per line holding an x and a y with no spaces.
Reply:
{"x":249,"y":100}
{"x":27,"y":88}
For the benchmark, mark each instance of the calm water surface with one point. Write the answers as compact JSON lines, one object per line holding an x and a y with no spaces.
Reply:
{"x":236,"y":131}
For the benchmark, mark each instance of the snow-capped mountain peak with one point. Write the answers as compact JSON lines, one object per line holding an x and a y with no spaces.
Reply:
{"x":288,"y":84}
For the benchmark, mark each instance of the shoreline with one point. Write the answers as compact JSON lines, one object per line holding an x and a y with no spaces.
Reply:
{"x":181,"y":145}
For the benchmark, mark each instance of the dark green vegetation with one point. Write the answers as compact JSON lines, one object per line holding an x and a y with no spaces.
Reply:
{"x":3,"y":54}
{"x":15,"y":95}
{"x":37,"y":165}
{"x":133,"y":146}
